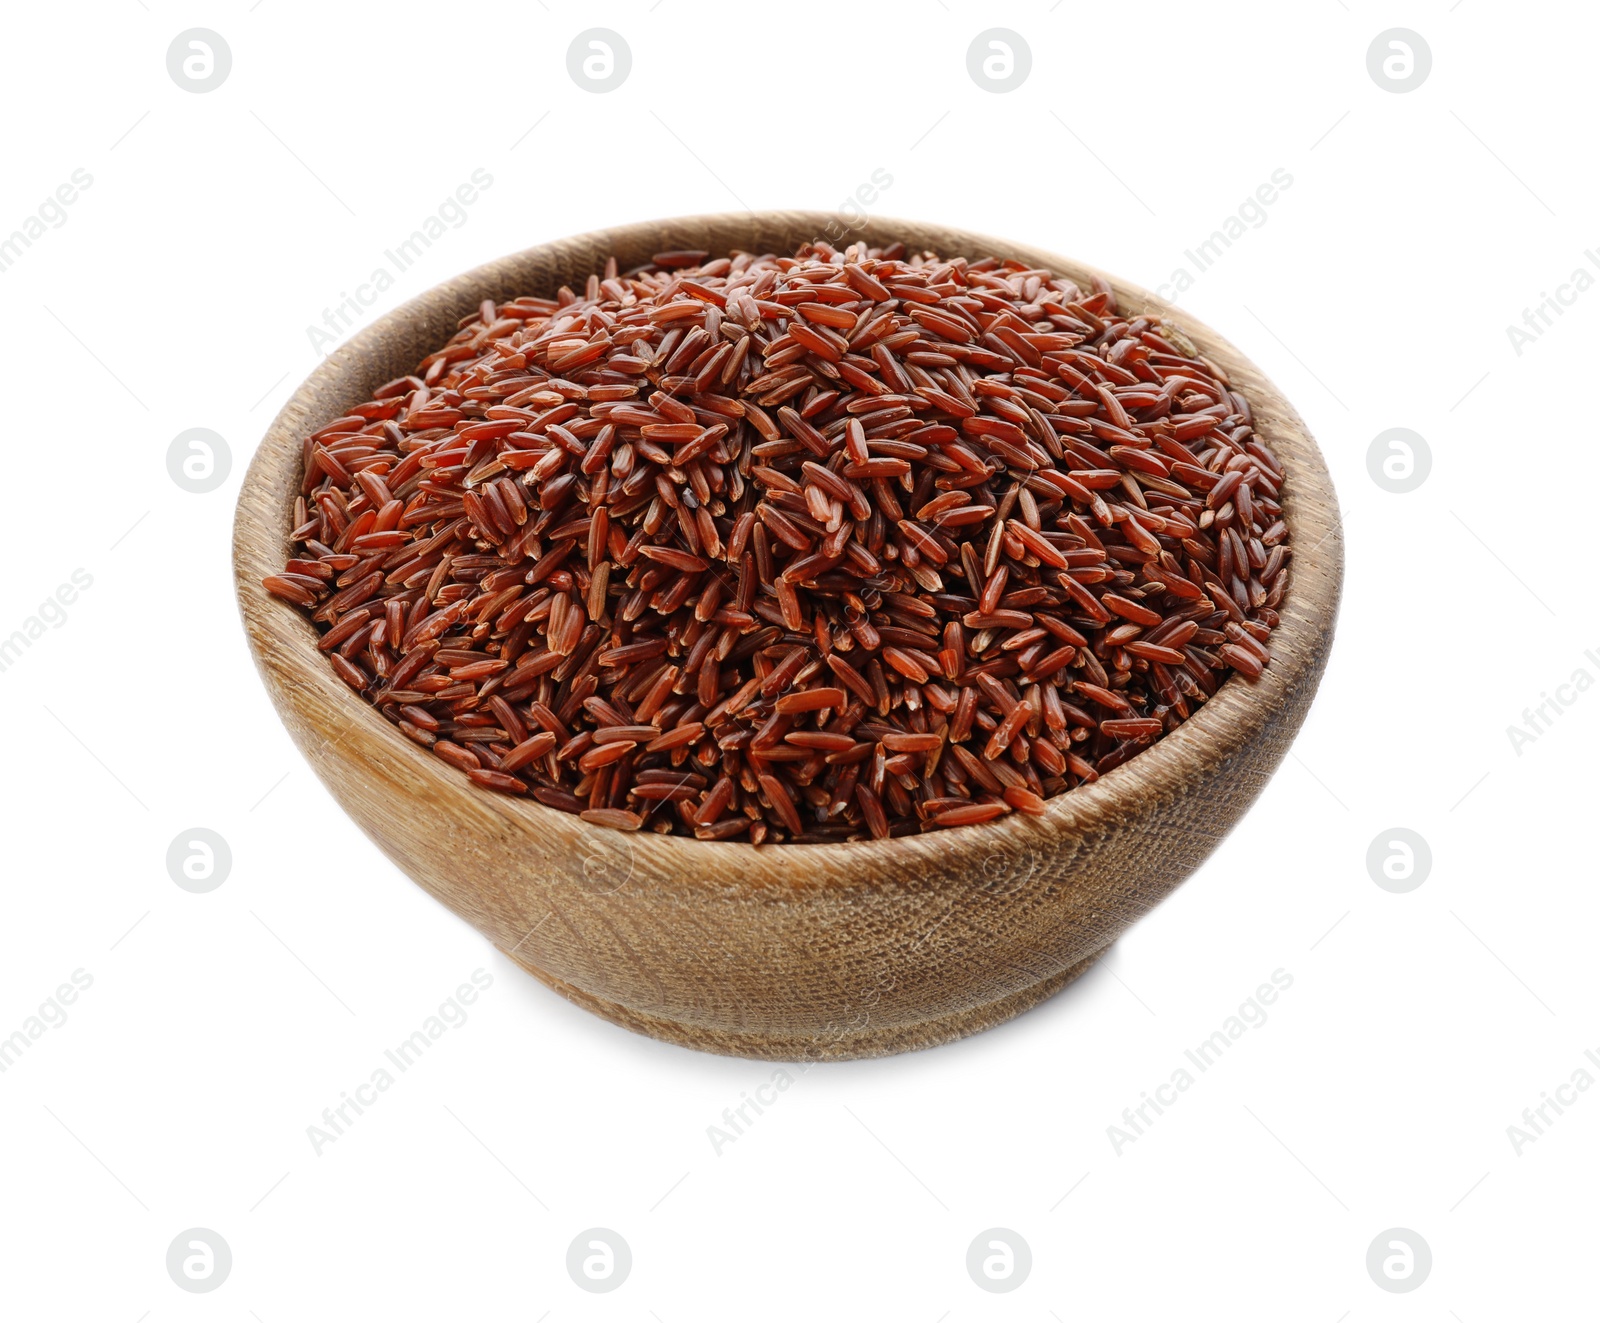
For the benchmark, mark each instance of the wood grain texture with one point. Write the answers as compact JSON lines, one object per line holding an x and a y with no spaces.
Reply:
{"x":795,"y":951}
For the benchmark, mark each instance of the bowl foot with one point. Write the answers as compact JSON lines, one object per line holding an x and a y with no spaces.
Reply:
{"x":846,"y":1045}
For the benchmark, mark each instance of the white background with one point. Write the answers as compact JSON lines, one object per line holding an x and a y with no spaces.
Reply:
{"x":1377,"y":294}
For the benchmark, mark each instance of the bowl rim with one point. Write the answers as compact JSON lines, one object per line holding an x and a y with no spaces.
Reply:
{"x":300,"y":680}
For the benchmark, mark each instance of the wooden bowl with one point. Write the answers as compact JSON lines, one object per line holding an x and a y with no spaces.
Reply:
{"x":792,"y":951}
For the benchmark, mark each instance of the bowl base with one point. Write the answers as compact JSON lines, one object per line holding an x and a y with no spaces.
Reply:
{"x":850,"y":1045}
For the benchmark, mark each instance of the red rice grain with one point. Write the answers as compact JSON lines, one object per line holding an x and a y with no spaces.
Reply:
{"x":812,"y":548}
